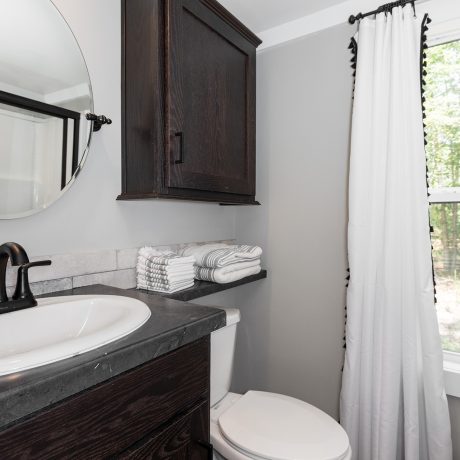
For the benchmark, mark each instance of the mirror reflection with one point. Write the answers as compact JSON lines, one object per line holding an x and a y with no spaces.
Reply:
{"x":45,"y":94}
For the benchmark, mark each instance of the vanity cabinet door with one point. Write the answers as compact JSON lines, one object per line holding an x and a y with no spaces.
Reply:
{"x":210,"y":119}
{"x":106,"y":420}
{"x":183,"y":439}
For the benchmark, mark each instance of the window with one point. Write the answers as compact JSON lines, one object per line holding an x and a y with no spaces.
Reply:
{"x":442,"y":107}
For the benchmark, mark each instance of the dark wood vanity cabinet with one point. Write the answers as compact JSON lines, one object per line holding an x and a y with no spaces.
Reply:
{"x":184,"y":439}
{"x":159,"y":410}
{"x":189,"y":96}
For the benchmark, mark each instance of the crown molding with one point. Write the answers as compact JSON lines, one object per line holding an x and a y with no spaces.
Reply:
{"x":231,"y":20}
{"x":439,"y":10}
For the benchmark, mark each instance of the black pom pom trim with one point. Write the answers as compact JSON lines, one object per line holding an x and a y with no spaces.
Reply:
{"x":424,"y":73}
{"x":353,"y":46}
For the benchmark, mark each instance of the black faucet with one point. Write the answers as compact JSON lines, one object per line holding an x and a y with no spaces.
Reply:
{"x":22,"y":297}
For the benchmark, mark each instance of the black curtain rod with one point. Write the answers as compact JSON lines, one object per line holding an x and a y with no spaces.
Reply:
{"x":381,"y":9}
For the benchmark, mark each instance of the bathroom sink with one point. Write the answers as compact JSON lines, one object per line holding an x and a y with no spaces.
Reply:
{"x":62,"y":327}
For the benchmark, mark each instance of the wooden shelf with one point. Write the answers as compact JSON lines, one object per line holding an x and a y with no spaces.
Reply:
{"x":204,"y":288}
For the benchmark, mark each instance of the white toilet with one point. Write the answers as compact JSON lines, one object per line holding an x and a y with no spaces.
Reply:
{"x":261,"y":425}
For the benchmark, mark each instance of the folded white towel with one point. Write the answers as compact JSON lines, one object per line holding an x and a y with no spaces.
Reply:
{"x":169,"y":290}
{"x":166,"y":258}
{"x":163,"y":287}
{"x":221,"y":255}
{"x":163,"y":281}
{"x":228,"y":274}
{"x":189,"y":275}
{"x":164,"y":291}
{"x":144,"y":264}
{"x":153,"y":279}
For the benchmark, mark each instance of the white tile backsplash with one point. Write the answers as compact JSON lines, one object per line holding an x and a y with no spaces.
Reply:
{"x":113,"y":267}
{"x":76,"y":265}
{"x":123,"y":279}
{"x":46,"y":287}
{"x":68,"y":265}
{"x":126,"y":258}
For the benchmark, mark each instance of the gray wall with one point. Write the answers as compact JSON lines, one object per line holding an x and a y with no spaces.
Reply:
{"x":293,"y":324}
{"x":88,"y":217}
{"x":290,"y":338}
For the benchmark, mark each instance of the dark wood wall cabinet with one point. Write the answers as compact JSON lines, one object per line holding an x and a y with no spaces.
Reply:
{"x":159,"y":410}
{"x":188,"y":102}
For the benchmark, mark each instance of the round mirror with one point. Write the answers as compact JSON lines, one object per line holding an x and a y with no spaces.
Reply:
{"x":45,"y":94}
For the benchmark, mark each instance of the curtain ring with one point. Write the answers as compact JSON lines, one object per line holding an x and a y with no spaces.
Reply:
{"x":413,"y":7}
{"x":385,"y":10}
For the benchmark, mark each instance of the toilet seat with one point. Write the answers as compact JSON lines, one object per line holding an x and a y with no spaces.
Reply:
{"x":270,"y":426}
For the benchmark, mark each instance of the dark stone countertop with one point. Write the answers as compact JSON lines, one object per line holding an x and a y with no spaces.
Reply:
{"x":171,"y":325}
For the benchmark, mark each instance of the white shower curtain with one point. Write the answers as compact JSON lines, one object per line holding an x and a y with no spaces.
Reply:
{"x":393,"y":402}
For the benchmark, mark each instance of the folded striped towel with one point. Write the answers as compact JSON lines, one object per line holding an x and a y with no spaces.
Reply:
{"x":162,"y":284}
{"x":166,"y":258}
{"x":229,"y":274}
{"x":162,"y":289}
{"x":164,"y":270}
{"x":169,"y":278}
{"x":221,"y":255}
{"x":145,"y":264}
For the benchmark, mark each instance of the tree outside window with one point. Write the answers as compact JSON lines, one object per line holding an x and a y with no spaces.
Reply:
{"x":443,"y":155}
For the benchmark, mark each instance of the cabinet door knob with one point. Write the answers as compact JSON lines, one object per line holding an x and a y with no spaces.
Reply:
{"x":180,"y":135}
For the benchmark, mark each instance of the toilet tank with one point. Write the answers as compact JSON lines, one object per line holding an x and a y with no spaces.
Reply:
{"x":222,"y":353}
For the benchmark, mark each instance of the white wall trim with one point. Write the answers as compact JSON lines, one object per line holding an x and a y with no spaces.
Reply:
{"x":452,"y":373}
{"x":444,"y":32}
{"x":440,"y":11}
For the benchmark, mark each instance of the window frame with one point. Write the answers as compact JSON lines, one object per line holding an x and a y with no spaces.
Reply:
{"x":439,"y":34}
{"x":443,"y":32}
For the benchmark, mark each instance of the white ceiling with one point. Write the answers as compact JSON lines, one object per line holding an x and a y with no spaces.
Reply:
{"x":260,"y":15}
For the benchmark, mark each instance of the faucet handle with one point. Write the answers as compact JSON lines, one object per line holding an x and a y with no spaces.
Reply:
{"x":22,"y":285}
{"x":39,"y":263}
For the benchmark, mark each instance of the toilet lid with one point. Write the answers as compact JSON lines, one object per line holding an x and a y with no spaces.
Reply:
{"x":277,"y":427}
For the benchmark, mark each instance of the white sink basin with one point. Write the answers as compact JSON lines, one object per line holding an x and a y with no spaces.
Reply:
{"x":61,"y":327}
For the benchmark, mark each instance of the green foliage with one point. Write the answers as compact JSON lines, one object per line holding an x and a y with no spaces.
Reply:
{"x":450,"y":343}
{"x":442,"y":107}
